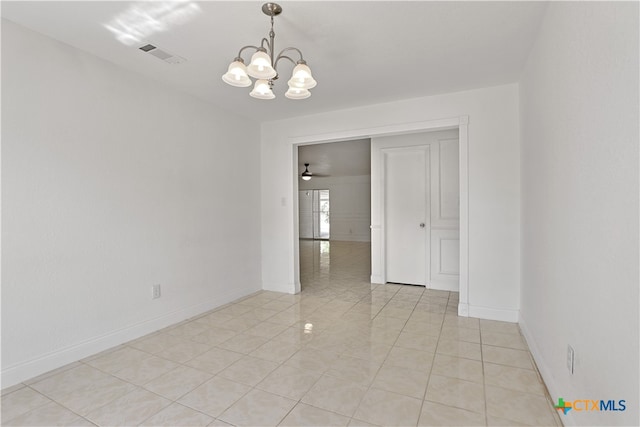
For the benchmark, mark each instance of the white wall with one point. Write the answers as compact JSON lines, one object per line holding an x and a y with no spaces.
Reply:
{"x":349,"y":205}
{"x":579,"y":116}
{"x":112,"y":183}
{"x":494,"y":185}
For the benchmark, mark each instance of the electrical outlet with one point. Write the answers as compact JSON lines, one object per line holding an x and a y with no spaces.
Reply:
{"x":155,"y":291}
{"x":570,"y":358}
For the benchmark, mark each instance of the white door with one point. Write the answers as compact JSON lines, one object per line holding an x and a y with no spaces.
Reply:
{"x":445,"y":217}
{"x":406,"y":213}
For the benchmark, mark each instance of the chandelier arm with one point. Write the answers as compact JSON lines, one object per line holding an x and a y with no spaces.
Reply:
{"x":265,"y":40}
{"x":286,"y":49}
{"x":281,"y":56}
{"x":247,"y":47}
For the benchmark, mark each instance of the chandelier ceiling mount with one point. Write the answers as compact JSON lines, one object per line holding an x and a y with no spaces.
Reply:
{"x":264,"y":64}
{"x":271,"y":9}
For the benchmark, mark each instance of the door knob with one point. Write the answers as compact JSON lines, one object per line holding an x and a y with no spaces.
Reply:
{"x":422,"y":225}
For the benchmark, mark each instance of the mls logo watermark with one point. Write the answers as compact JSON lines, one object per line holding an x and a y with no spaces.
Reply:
{"x":581,"y":405}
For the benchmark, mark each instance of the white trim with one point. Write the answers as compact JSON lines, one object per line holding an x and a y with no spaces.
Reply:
{"x":545,"y":372}
{"x":34,"y":367}
{"x":463,"y":310}
{"x":396,"y":129}
{"x":378,"y":280}
{"x":295,"y":278}
{"x":443,"y":287}
{"x":489,"y":313}
{"x":463,"y":150}
{"x":279,"y":287}
{"x":360,"y":238}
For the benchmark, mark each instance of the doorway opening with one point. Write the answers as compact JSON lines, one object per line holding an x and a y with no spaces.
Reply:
{"x":334,"y":216}
{"x":378,"y":257}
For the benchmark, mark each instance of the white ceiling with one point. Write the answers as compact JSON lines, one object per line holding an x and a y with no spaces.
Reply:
{"x":348,"y":158}
{"x":360,"y":52}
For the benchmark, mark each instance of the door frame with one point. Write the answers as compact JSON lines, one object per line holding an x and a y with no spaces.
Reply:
{"x":459,"y":122}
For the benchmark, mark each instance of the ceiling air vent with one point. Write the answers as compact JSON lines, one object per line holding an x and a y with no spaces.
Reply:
{"x":161,"y":54}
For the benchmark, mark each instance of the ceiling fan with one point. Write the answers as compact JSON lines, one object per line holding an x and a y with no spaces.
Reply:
{"x":306,"y":175}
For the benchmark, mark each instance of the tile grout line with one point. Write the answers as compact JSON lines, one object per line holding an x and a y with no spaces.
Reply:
{"x":387,"y":355}
{"x":51,"y":400}
{"x":484,"y":382}
{"x":424,"y":396}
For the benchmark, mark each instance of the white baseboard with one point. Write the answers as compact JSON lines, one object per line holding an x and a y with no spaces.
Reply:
{"x":545,"y":372}
{"x":31,"y":368}
{"x":350,"y":238}
{"x":286,"y":288}
{"x":489,"y":313}
{"x":378,"y":280}
{"x":444,"y":286}
{"x":463,"y":309}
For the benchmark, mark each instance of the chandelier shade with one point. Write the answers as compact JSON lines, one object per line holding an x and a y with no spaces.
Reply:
{"x":236,"y":75}
{"x":262,"y":90}
{"x":302,"y":78}
{"x":297,"y":93}
{"x":260,"y":66}
{"x":264,"y":66}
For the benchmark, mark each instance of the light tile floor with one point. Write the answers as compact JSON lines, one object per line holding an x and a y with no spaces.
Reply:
{"x":342,"y":352}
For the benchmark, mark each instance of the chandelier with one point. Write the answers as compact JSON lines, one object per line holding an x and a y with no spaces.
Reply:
{"x":264,"y":64}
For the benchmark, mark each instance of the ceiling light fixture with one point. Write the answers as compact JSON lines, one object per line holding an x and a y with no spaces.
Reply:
{"x":306,"y":175}
{"x":264,"y":64}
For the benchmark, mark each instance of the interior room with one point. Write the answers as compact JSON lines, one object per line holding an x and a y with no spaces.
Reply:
{"x":163,"y":264}
{"x":334,"y":216}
